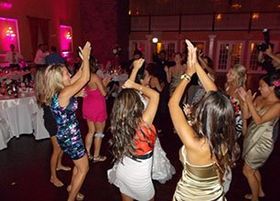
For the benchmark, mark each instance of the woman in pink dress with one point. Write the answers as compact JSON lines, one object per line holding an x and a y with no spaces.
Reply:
{"x":94,"y":111}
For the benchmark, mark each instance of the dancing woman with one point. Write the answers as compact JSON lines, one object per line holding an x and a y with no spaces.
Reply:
{"x":133,"y":141}
{"x":259,"y":141}
{"x":209,"y":144}
{"x":94,"y":111}
{"x":60,"y":92}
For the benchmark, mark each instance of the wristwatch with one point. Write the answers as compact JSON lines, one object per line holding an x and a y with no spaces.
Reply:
{"x":186,"y":77}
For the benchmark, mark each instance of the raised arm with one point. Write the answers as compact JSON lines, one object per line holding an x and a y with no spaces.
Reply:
{"x":272,"y":113}
{"x":99,"y":84}
{"x":168,"y":73}
{"x":205,"y":66}
{"x":184,"y":130}
{"x":70,"y":90}
{"x":150,"y":112}
{"x":269,"y":53}
{"x":137,"y":64}
{"x":77,"y":75}
{"x":206,"y":81}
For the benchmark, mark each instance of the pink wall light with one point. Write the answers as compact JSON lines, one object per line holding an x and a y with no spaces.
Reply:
{"x":8,"y":34}
{"x":66,"y":39}
{"x":5,"y":5}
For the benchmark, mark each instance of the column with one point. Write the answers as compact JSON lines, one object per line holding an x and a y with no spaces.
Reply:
{"x":211,"y":45}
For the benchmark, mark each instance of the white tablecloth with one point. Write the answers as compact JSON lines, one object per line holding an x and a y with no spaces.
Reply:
{"x":20,"y":116}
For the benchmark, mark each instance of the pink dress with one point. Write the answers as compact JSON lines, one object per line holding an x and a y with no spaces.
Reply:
{"x":94,"y":106}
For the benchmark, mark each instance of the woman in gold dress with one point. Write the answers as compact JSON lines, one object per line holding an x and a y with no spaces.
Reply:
{"x":209,"y":141}
{"x":259,"y":141}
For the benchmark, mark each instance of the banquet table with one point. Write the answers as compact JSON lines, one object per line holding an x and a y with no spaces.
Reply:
{"x":13,"y":75}
{"x":20,"y":116}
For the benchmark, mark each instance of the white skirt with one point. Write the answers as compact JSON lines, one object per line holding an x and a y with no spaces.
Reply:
{"x":133,"y":178}
{"x":162,"y":169}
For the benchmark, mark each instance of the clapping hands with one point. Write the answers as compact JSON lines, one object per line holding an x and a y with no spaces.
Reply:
{"x":192,"y":58}
{"x":85,"y":52}
{"x":246,"y":96}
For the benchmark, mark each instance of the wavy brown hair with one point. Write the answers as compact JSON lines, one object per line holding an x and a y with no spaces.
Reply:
{"x":126,"y":117}
{"x":214,"y":120}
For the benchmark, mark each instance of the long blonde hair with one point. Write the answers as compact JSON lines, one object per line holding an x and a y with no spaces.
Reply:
{"x":53,"y":81}
{"x":241,"y":73}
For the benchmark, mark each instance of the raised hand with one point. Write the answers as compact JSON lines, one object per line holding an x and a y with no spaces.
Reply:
{"x":85,"y":52}
{"x":106,"y":80}
{"x":249,"y":98}
{"x":242,"y":93}
{"x":137,"y":64}
{"x":128,"y":84}
{"x":166,"y":69}
{"x":192,"y":58}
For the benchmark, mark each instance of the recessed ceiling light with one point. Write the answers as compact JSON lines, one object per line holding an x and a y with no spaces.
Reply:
{"x":255,"y":16}
{"x":236,"y":5}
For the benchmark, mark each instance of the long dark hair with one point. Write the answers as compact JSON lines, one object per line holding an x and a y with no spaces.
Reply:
{"x":273,"y":79}
{"x":93,"y":64}
{"x":214,"y":120}
{"x":125,"y":119}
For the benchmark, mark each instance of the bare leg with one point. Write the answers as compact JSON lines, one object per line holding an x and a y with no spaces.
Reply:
{"x":89,"y":136}
{"x":59,"y":163}
{"x":252,"y":180}
{"x":53,"y":163}
{"x":98,"y":139}
{"x":79,"y":173}
{"x":126,"y":198}
{"x":259,"y":178}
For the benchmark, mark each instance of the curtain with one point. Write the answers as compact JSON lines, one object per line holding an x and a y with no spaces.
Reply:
{"x":38,"y":26}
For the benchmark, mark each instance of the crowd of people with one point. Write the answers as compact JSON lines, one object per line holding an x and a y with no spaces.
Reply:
{"x":208,"y":120}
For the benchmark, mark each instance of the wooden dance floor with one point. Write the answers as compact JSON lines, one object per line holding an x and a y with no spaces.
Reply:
{"x":25,"y":173}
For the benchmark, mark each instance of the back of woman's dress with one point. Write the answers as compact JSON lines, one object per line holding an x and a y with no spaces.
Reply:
{"x":259,"y":143}
{"x":94,"y":105}
{"x":199,"y":183}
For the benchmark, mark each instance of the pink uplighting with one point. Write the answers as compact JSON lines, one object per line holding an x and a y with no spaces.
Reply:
{"x":8,"y":34}
{"x":6,"y":5}
{"x":68,"y":36}
{"x":66,"y":44}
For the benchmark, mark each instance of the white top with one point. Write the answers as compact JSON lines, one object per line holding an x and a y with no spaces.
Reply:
{"x":13,"y":57}
{"x":40,"y":57}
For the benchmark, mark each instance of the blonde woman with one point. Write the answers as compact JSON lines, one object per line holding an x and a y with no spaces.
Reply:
{"x":236,"y":78}
{"x":60,"y":92}
{"x":51,"y":127}
{"x":173,"y":73}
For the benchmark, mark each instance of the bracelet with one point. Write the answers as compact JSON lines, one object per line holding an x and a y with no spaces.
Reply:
{"x":186,"y":77}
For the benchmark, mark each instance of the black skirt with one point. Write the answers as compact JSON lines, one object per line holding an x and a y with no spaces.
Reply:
{"x":49,"y":121}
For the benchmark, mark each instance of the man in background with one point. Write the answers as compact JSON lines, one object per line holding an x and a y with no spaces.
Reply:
{"x":13,"y":57}
{"x":42,"y":52}
{"x":54,"y":57}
